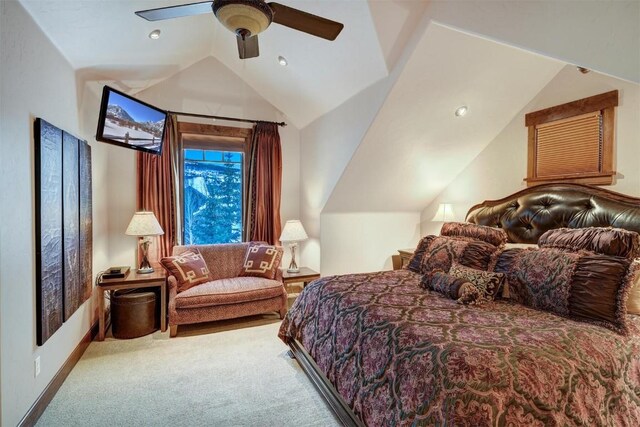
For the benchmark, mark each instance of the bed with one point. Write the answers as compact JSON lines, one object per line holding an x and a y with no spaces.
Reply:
{"x":383,"y":351}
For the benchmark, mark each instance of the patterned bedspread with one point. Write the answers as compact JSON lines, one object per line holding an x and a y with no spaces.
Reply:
{"x":401,"y":355}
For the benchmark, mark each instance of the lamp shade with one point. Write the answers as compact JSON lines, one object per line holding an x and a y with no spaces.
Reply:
{"x":293,"y":231}
{"x":144,"y":224}
{"x":444,"y":214}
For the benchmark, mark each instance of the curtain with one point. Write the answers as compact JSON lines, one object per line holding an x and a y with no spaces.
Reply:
{"x":264,"y":185}
{"x":158,"y":191}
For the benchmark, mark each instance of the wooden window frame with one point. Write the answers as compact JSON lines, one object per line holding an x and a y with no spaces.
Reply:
{"x":604,"y":103}
{"x":213,"y":137}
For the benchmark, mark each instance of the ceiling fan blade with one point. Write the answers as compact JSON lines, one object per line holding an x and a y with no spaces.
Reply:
{"x":305,"y":22}
{"x":176,"y":11}
{"x":248,"y":47}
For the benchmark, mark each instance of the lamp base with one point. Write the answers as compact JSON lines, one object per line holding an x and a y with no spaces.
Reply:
{"x":293,"y":265}
{"x":145,"y":265}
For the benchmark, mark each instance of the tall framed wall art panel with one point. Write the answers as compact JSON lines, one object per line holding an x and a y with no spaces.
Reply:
{"x":63,"y":226}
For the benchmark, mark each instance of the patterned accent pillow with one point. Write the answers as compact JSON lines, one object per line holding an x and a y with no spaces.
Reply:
{"x":487,"y":282}
{"x":633,"y":303}
{"x":582,"y":285}
{"x":440,"y":252}
{"x":600,"y":240}
{"x":188,"y":268}
{"x":492,"y":235}
{"x":261,"y":260}
{"x":462,"y":291}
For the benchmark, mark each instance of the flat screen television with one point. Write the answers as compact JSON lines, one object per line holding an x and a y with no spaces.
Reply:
{"x":131,"y":123}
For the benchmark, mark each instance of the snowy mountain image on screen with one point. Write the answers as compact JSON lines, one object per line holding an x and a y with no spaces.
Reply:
{"x":120,"y":126}
{"x":117,"y":112}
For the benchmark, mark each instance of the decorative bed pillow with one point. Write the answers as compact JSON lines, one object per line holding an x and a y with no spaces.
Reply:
{"x":188,"y":268}
{"x":462,"y":291}
{"x":439,"y":252}
{"x":495,"y":236}
{"x":580,"y":285}
{"x":633,"y":303}
{"x":487,"y":282}
{"x":510,"y":245}
{"x":601,"y":240}
{"x":261,"y":260}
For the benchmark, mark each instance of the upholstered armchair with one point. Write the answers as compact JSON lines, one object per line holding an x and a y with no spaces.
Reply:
{"x":226,"y":295}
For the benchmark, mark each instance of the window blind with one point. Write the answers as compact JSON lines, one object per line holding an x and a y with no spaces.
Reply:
{"x":571,"y":146}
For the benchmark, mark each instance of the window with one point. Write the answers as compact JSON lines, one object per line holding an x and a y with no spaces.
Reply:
{"x":573,"y":142}
{"x":212,"y":199}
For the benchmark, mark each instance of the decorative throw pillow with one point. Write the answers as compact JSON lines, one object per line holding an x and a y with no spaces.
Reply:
{"x":493,"y":235}
{"x":487,"y":282}
{"x":261,"y":260}
{"x":188,"y":268}
{"x":633,"y":303}
{"x":439,"y":252}
{"x":462,"y":291}
{"x":601,"y":240}
{"x":582,"y":285}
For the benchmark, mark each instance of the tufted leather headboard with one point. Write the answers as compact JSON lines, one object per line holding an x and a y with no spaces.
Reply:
{"x":527,"y":214}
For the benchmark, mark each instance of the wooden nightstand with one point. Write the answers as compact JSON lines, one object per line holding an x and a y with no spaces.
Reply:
{"x":133,"y":281}
{"x":305,"y":276}
{"x":405,"y":256}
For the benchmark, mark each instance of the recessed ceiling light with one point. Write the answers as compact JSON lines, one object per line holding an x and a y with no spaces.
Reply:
{"x":282,"y":61}
{"x":461,"y":111}
{"x":155,"y":34}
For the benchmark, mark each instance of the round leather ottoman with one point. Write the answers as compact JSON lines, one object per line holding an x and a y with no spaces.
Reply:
{"x":132,"y":313}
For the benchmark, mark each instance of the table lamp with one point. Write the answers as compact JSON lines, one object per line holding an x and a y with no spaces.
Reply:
{"x":444,"y":213}
{"x":292,"y":233}
{"x":144,"y":224}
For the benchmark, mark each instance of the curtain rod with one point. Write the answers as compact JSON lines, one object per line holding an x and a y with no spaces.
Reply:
{"x":231,"y":119}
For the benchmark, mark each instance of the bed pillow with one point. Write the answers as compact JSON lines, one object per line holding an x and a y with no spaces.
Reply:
{"x":510,"y":245}
{"x":464,"y":292}
{"x":261,"y":260}
{"x":633,"y":303}
{"x":189,"y":269}
{"x":495,"y":236}
{"x":600,"y":240}
{"x":581,"y":285}
{"x":487,"y":282}
{"x":440,"y":252}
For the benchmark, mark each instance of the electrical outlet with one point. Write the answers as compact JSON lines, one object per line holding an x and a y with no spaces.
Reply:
{"x":36,"y":366}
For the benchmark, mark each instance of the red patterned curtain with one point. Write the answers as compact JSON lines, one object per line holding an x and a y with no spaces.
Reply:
{"x":264,"y":185}
{"x":156,"y":191}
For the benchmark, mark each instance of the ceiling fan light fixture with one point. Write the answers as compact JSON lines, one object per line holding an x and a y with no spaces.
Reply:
{"x":237,"y":15}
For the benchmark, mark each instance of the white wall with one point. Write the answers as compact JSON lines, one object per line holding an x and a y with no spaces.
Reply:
{"x":207,"y":87}
{"x":363,"y":242}
{"x":36,"y":82}
{"x":499,"y":170}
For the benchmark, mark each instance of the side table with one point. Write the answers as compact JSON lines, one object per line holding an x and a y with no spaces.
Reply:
{"x":133,"y":281}
{"x":305,"y":276}
{"x":405,"y":256}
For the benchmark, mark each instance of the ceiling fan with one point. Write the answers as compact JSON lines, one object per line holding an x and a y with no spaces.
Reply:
{"x":248,"y":18}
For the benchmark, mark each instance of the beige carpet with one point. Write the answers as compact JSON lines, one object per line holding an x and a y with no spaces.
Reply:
{"x":228,"y":374}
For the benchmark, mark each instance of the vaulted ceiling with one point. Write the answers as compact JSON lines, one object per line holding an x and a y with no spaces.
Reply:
{"x":105,"y":40}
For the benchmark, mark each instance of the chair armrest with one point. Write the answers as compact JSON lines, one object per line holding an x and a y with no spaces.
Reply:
{"x":173,"y":283}
{"x":173,"y":291}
